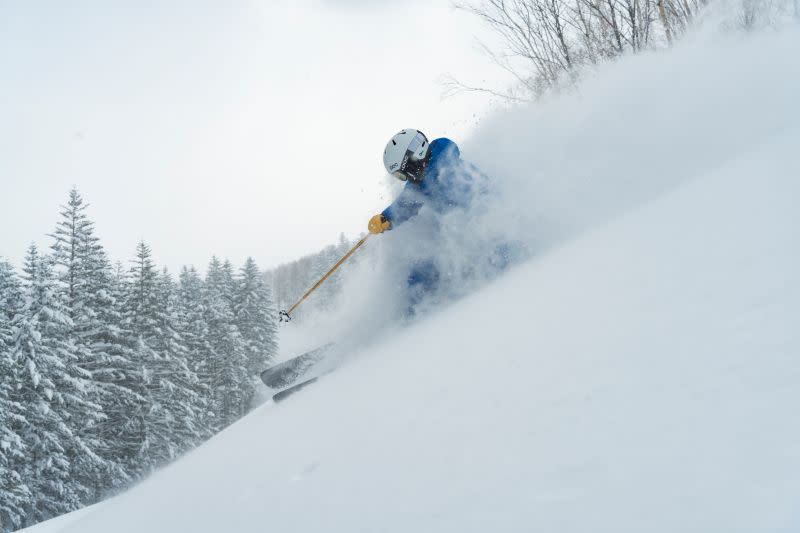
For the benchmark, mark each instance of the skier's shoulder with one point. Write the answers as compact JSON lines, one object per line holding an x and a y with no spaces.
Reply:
{"x":444,"y":147}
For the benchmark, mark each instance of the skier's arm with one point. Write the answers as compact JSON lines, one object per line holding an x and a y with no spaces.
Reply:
{"x":406,"y":206}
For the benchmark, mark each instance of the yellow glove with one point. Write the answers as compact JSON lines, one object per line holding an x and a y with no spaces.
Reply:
{"x":378,"y":224}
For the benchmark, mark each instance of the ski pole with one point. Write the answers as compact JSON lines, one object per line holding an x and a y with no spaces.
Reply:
{"x":285,"y":316}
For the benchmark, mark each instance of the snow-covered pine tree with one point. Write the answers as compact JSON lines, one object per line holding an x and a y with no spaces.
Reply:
{"x":227,"y":368}
{"x":10,"y":291}
{"x":121,"y":376}
{"x":52,"y":388}
{"x":194,"y":330}
{"x":140,"y":318}
{"x":143,"y":318}
{"x":228,"y":282}
{"x":172,"y":419}
{"x":73,"y":234}
{"x":10,"y":303}
{"x":85,"y":281}
{"x":15,"y":495}
{"x":175,"y":396}
{"x":255,"y":318}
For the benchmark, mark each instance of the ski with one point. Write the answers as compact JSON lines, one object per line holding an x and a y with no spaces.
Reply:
{"x":292,"y":370}
{"x":282,"y":395}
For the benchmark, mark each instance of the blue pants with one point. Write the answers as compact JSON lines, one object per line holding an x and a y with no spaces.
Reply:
{"x":424,"y":277}
{"x":422,"y":280}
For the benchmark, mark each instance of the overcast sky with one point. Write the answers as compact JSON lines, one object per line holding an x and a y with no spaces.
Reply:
{"x":229,"y":128}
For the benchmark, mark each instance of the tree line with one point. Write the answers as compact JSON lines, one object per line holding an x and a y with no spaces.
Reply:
{"x":289,"y":281}
{"x":546,"y":44}
{"x":108,"y":372}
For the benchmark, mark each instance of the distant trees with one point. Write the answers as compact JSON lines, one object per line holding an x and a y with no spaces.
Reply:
{"x":291,"y":280}
{"x":545,"y":43}
{"x":753,"y":14}
{"x":107,"y":372}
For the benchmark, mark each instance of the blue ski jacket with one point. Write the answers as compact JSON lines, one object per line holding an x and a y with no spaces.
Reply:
{"x":449,"y":182}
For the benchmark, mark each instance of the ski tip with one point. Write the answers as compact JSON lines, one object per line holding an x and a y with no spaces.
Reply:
{"x":282,"y":395}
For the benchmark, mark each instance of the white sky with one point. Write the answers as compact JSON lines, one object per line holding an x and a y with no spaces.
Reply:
{"x":233,"y":128}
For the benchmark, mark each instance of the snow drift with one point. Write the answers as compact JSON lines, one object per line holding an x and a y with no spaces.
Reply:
{"x":638,"y":374}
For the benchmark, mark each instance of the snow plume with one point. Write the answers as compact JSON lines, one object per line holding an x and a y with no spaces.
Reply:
{"x":634,"y":130}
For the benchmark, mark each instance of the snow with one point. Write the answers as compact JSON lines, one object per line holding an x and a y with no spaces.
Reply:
{"x":638,"y":374}
{"x":57,"y":524}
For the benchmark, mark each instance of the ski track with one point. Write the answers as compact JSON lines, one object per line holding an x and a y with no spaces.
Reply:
{"x":640,"y":377}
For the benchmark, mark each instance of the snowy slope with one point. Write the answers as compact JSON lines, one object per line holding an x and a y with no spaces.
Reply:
{"x":642,"y":376}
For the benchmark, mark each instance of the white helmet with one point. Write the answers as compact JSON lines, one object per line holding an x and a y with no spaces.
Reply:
{"x":406,"y":155}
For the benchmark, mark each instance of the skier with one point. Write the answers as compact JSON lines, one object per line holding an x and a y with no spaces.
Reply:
{"x":437,"y":178}
{"x":444,"y":194}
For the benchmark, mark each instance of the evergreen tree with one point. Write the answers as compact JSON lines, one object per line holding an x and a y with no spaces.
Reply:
{"x":175,"y":391}
{"x":171,"y":419}
{"x":118,"y":372}
{"x":85,"y":283}
{"x":15,"y":495}
{"x":227,"y":283}
{"x":10,"y":303}
{"x":52,"y":388}
{"x":10,"y":291}
{"x":73,"y":238}
{"x":140,"y":318}
{"x":106,"y":374}
{"x":194,"y":330}
{"x":255,"y":318}
{"x":227,"y":368}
